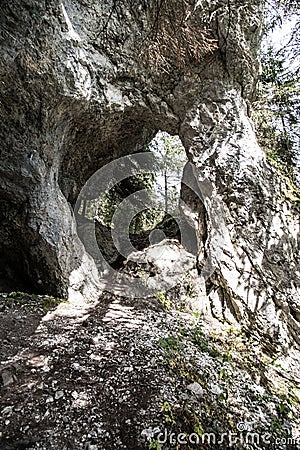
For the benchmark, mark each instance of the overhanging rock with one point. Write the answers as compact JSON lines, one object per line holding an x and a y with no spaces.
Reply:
{"x":80,"y":87}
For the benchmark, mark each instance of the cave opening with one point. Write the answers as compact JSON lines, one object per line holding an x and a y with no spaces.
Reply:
{"x":145,"y":220}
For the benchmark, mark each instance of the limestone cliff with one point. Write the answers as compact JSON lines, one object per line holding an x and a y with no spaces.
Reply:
{"x":84,"y":82}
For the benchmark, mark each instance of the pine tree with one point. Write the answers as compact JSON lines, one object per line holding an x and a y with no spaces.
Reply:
{"x":277,"y":110}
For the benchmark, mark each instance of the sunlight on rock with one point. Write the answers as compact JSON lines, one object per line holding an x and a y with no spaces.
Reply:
{"x":149,"y":225}
{"x":71,"y":31}
{"x":120,"y":315}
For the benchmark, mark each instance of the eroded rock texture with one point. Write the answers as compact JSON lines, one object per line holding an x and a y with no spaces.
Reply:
{"x":84,"y":82}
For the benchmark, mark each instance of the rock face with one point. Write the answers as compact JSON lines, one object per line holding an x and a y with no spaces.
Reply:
{"x":85,"y":82}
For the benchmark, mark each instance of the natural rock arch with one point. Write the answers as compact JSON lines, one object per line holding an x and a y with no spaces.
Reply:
{"x":76,"y":94}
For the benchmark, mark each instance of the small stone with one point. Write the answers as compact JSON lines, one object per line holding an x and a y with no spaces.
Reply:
{"x":215,"y":389}
{"x":50,"y":399}
{"x":58,"y":395}
{"x":196,"y":389}
{"x":7,"y":378}
{"x":75,"y":395}
{"x":76,"y":366}
{"x":7,"y":411}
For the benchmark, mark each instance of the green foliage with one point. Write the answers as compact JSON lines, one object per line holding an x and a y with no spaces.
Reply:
{"x":160,"y":186}
{"x":188,"y":421}
{"x":154,"y":444}
{"x":164,"y":301}
{"x":110,"y":201}
{"x":197,"y":337}
{"x":169,"y":343}
{"x":224,"y":375}
{"x":104,"y":207}
{"x":169,"y":163}
{"x":30,"y":302}
{"x":278,"y":12}
{"x":277,"y":426}
{"x":276,"y":112}
{"x":169,"y":416}
{"x":174,"y":357}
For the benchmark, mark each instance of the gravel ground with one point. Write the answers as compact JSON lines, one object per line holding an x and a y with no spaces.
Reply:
{"x":127,"y":373}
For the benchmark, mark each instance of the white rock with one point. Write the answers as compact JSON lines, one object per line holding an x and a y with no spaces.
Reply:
{"x":215,"y":389}
{"x":196,"y":389}
{"x":7,"y":378}
{"x":58,"y":395}
{"x":7,"y":411}
{"x":75,"y":395}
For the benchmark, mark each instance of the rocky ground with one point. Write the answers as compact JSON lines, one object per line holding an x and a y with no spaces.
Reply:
{"x":125,"y":373}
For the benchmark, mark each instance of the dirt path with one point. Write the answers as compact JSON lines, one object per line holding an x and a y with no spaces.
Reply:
{"x":111,"y":374}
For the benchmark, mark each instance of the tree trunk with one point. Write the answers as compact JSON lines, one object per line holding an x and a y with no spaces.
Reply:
{"x":166,"y":191}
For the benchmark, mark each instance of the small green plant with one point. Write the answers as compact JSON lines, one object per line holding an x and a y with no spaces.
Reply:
{"x":164,"y":301}
{"x":169,"y":416}
{"x":227,"y":356}
{"x":284,"y":409}
{"x":197,"y":337}
{"x":181,"y":367}
{"x":223,"y":374}
{"x":189,"y":419}
{"x":277,"y":426}
{"x":32,"y":302}
{"x":154,"y":444}
{"x":169,"y":343}
{"x":198,"y":428}
{"x":224,"y":395}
